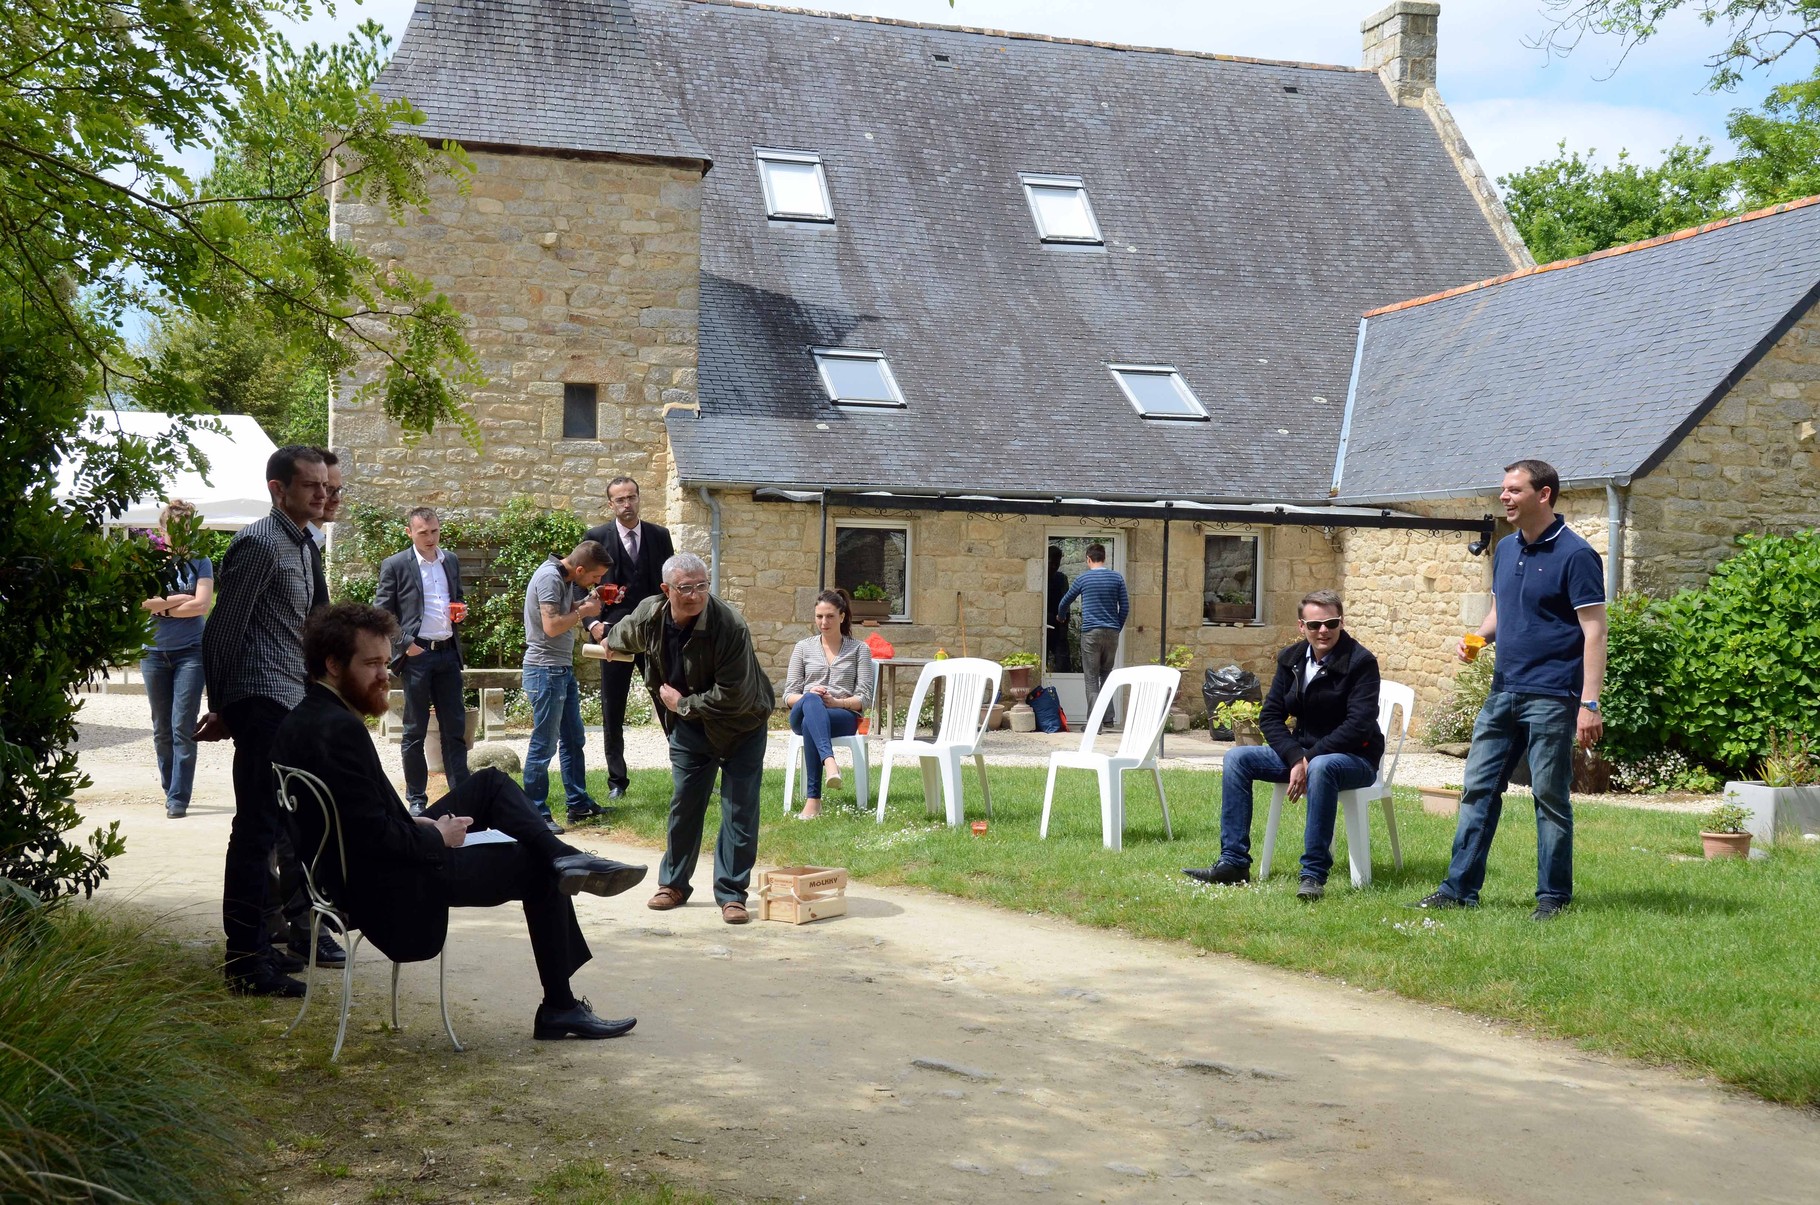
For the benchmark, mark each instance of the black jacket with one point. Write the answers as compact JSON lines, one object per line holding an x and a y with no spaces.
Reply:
{"x":1336,"y":713}
{"x":401,"y":592}
{"x":392,"y":893}
{"x":641,"y":580}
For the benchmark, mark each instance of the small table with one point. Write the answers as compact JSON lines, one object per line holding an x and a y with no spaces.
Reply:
{"x":885,"y":705}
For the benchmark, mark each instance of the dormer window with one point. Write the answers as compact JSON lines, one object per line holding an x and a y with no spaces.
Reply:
{"x":796,"y":188}
{"x":857,"y":378}
{"x":1059,"y":205}
{"x":1158,"y":391}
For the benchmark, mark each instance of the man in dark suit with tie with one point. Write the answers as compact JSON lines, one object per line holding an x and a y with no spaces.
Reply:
{"x":421,"y":587}
{"x":638,"y":551}
{"x":405,"y":872}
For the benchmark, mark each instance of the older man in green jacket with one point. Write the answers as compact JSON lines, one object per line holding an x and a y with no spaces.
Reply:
{"x":714,"y":702}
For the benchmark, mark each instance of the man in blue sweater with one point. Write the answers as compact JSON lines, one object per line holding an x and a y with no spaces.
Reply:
{"x":1104,"y":608}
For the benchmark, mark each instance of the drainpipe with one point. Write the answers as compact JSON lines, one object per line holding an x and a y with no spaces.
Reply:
{"x":713,"y":540}
{"x":1614,"y":537}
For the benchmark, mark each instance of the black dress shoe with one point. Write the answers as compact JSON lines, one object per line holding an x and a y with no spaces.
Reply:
{"x":578,"y":1021}
{"x":616,"y":792}
{"x":328,"y":952}
{"x":285,"y":960}
{"x":1221,"y":874}
{"x":585,"y":811}
{"x":594,"y":875}
{"x":264,"y":981}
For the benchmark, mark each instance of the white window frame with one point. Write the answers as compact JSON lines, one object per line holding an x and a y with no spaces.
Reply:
{"x":767,"y":155}
{"x":1034,"y":180}
{"x":909,"y":530}
{"x":1182,"y":387}
{"x":1260,"y":553}
{"x":896,"y":401}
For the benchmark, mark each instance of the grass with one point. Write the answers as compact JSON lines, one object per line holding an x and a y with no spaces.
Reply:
{"x":1664,"y":957}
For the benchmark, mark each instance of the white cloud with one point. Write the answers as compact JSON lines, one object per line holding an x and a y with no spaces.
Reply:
{"x":1511,"y":133}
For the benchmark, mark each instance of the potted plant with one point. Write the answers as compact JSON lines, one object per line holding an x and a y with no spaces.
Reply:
{"x":870,"y":603}
{"x":1232,"y":606}
{"x":1180,"y":658}
{"x":1441,"y":801}
{"x":1240,"y":715}
{"x":1018,"y":668}
{"x":1724,"y":835}
{"x":1787,"y":797}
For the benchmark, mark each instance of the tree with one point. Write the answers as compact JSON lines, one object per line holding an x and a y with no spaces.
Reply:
{"x":1759,"y":32}
{"x":1779,"y":147}
{"x":96,"y":219}
{"x":1570,"y":206}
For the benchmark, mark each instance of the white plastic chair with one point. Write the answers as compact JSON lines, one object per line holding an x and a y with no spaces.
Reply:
{"x":796,"y":751}
{"x":1355,"y":805}
{"x":971,"y":687}
{"x":293,"y":784}
{"x":1152,"y":690}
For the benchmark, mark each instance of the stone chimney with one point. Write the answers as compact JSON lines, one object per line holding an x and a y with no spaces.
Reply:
{"x":1400,"y":47}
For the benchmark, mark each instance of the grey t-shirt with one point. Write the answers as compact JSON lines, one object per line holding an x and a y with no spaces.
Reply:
{"x":548,"y":586}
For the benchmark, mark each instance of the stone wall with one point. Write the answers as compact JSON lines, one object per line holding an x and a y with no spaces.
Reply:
{"x":569,"y":271}
{"x":1751,"y":465}
{"x":990,"y":572}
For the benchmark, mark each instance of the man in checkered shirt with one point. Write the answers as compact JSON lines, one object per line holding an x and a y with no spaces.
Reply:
{"x":252,"y":662}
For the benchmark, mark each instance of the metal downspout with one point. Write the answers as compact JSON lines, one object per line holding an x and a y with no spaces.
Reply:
{"x":1614,"y":538}
{"x":713,"y":540}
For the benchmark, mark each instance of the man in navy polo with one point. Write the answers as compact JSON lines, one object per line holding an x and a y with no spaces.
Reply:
{"x":1548,"y":618}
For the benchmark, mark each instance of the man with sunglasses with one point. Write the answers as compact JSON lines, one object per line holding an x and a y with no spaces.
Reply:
{"x":714,"y":701}
{"x":1329,"y":682}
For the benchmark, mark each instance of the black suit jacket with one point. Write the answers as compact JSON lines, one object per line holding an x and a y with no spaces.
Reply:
{"x":391,"y":892}
{"x":1336,"y":713}
{"x":401,"y":593}
{"x":640,"y":580}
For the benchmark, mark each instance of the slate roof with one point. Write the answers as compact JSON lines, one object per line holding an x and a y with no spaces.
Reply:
{"x":1247,"y":228}
{"x":536,"y":74}
{"x":1599,"y":365}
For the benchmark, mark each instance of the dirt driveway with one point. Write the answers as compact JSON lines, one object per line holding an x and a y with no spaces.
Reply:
{"x":924,"y":1049}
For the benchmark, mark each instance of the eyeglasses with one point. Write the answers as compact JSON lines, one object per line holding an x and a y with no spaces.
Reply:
{"x":335,"y":493}
{"x":697,"y":588}
{"x":1315,"y":625}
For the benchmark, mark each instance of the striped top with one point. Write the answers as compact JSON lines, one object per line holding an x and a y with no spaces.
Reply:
{"x":1104,"y":603}
{"x":253,"y":644}
{"x":851,"y":673}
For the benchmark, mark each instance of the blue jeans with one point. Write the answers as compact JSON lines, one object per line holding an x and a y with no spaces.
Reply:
{"x":1328,"y":775}
{"x":818,"y":724}
{"x":1508,"y":726}
{"x":555,"y":718}
{"x":173,"y":682}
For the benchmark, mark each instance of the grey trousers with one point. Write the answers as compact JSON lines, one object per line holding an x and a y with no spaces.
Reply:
{"x":1099,"y":649}
{"x":693,"y":768}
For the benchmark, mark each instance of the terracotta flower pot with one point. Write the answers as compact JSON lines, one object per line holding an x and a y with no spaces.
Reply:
{"x":1726,"y":845}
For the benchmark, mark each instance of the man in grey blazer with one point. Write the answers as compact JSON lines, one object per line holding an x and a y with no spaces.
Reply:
{"x":421,"y":587}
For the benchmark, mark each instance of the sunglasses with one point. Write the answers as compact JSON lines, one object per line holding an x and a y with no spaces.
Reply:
{"x":1315,"y":625}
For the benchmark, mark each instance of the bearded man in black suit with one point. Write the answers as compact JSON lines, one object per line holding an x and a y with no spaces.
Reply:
{"x":637,"y":551}
{"x":405,"y":872}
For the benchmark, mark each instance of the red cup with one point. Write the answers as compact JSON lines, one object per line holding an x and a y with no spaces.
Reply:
{"x":607,"y":593}
{"x":458,"y":611}
{"x":979,"y":828}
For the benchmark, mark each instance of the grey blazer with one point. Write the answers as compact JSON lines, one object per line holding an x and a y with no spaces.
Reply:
{"x":401,"y":593}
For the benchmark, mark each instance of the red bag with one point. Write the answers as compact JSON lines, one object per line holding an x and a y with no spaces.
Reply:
{"x":881,"y":648}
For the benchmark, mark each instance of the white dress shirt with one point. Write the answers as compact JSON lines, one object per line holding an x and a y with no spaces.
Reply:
{"x":435,"y":624}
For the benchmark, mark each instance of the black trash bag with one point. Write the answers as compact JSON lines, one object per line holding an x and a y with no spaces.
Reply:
{"x":1227,"y":685}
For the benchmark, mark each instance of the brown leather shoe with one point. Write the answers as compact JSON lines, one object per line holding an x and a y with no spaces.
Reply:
{"x":666,"y":899}
{"x":734,"y":913}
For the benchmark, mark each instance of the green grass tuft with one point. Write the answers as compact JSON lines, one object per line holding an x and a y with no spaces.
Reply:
{"x":1663,"y":957}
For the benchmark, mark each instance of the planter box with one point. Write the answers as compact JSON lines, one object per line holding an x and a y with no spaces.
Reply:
{"x":1233,"y":612}
{"x":871,"y":610}
{"x":1775,"y":811}
{"x":1440,"y":801}
{"x":1244,"y":733}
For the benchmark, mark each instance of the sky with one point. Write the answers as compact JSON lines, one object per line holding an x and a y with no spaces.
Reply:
{"x":1513,"y":101}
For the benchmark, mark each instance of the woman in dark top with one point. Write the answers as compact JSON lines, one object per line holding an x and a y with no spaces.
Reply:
{"x":172,"y":665}
{"x":828,"y":688}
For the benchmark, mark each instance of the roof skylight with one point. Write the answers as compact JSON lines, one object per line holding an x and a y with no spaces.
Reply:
{"x":1158,"y":391}
{"x":857,"y":378}
{"x":796,"y":188}
{"x":1061,"y":209}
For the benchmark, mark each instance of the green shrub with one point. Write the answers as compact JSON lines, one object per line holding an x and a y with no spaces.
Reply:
{"x":1640,"y":648}
{"x":113,"y":1084}
{"x":1661,"y":771}
{"x":1451,"y":722}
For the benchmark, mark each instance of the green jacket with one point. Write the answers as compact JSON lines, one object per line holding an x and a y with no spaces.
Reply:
{"x":729,"y":695}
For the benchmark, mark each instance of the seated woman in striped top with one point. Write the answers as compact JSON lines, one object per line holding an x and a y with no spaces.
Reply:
{"x":828,"y":688}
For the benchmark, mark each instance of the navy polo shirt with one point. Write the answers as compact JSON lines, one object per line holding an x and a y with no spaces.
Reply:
{"x":1540,"y":588}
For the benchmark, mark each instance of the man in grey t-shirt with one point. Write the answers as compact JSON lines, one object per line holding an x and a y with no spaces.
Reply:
{"x":558,"y":600}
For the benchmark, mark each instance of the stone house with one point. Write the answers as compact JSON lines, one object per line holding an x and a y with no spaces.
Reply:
{"x":867,"y":300}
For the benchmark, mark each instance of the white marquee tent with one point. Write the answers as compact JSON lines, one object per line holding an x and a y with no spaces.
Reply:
{"x":234,"y":494}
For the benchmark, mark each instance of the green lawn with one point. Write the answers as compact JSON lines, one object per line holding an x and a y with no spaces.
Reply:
{"x":1664,"y":957}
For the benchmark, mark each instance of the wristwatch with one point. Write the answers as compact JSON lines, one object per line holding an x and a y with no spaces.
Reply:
{"x":1591,"y":705}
